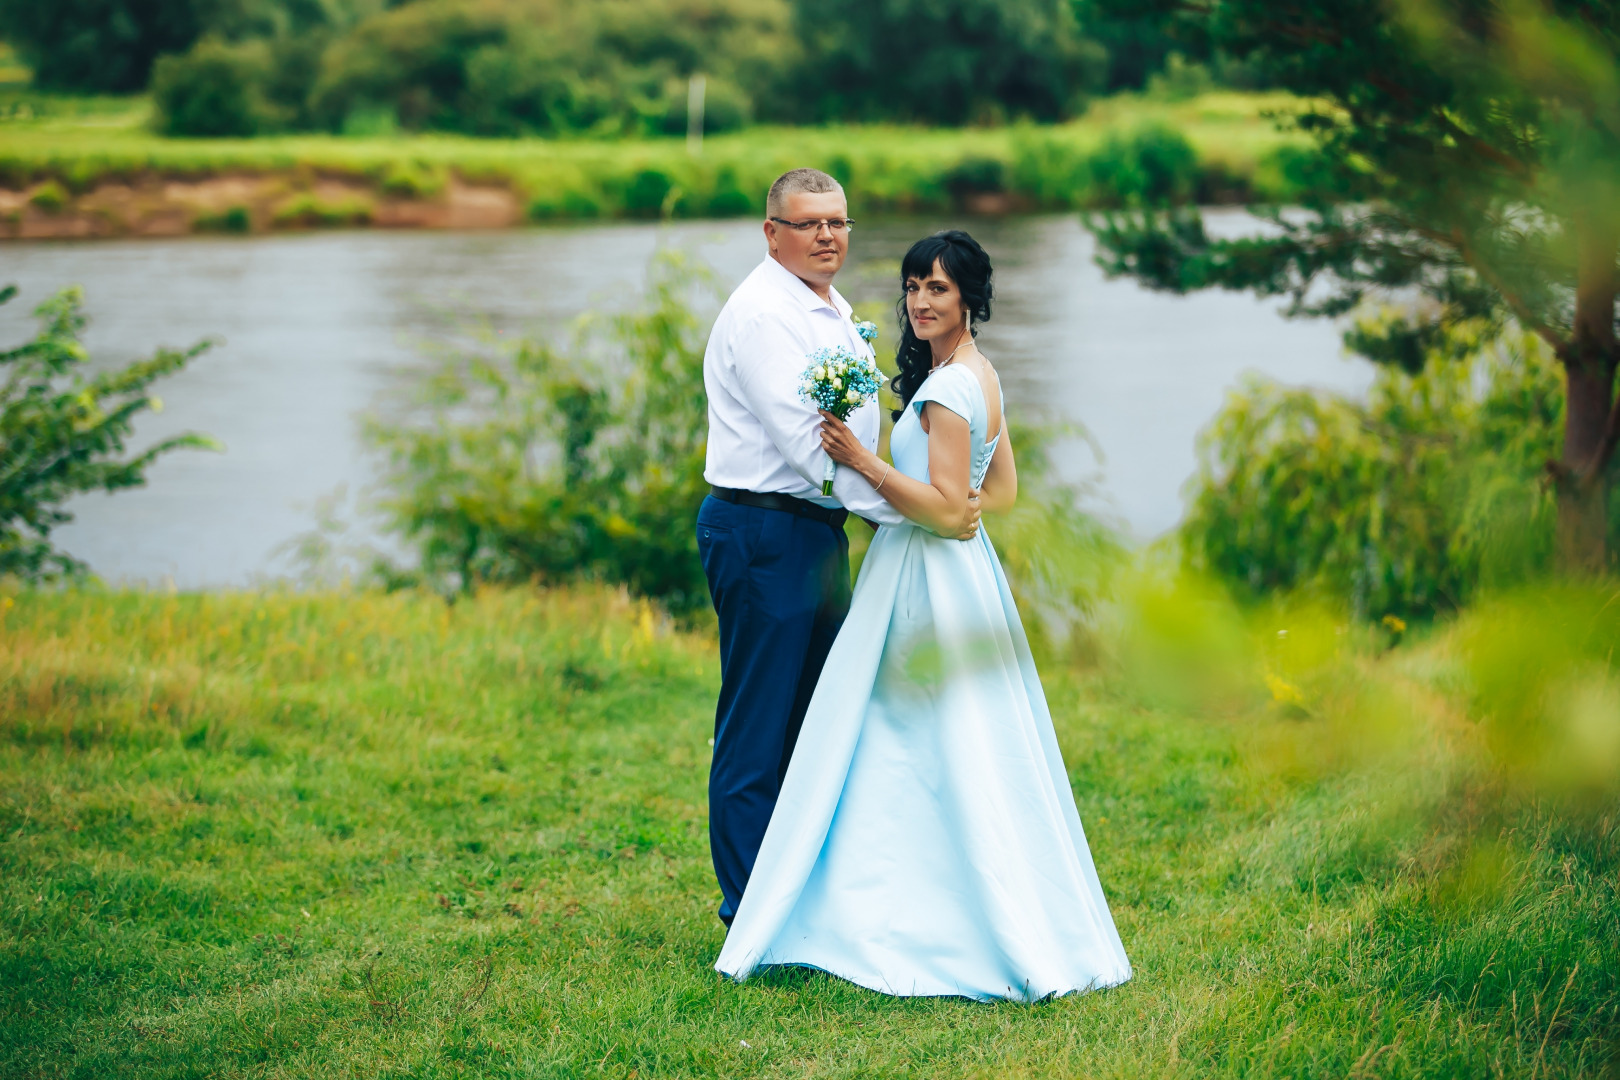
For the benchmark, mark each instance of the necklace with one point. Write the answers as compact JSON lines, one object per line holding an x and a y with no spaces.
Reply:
{"x":954,"y":351}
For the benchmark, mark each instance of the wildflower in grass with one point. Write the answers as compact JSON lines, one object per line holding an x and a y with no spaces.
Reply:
{"x":1284,"y":692}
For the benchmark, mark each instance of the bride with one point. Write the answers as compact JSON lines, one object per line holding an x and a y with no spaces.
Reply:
{"x":926,"y":840}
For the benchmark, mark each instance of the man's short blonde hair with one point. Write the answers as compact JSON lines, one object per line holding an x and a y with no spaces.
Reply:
{"x":798,"y":182}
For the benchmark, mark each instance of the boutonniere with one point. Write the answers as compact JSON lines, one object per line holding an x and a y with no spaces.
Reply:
{"x":867,"y":330}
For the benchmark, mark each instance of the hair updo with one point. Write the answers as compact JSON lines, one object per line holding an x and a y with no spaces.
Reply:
{"x":965,"y":263}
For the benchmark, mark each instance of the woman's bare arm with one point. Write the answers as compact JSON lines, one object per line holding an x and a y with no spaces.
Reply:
{"x":941,"y":505}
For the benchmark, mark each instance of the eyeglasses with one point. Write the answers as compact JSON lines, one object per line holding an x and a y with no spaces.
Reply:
{"x":836,"y":225}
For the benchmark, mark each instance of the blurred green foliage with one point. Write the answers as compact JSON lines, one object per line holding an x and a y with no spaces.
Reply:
{"x":1467,"y":153}
{"x":519,"y":462}
{"x":1217,"y":148}
{"x":554,"y":67}
{"x":608,"y":67}
{"x":214,"y":90}
{"x":97,"y":46}
{"x":62,"y":433}
{"x":1406,"y":505}
{"x":949,"y":62}
{"x":1541,"y":670}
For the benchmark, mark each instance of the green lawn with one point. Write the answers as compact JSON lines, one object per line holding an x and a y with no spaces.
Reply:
{"x":334,"y":834}
{"x":1239,"y":154}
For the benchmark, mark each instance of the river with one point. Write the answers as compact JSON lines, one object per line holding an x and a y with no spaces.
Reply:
{"x":315,"y":329}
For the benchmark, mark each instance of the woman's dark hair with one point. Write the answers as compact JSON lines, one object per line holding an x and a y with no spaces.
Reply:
{"x":965,"y":263}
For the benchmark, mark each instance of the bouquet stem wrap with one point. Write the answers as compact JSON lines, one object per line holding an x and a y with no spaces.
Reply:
{"x":839,"y":382}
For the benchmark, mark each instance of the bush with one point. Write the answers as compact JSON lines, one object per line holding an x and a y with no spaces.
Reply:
{"x":523,"y":462}
{"x":310,"y":212}
{"x":941,"y":61}
{"x":975,"y":176}
{"x":1404,"y":506}
{"x":554,"y":68}
{"x":212,"y":91}
{"x":97,"y":46}
{"x":1152,"y":166}
{"x":50,"y":197}
{"x":645,"y":195}
{"x":233,"y":219}
{"x":63,"y":431}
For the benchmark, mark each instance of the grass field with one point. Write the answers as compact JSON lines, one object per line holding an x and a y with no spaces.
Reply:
{"x":1238,"y":154}
{"x":336,"y":834}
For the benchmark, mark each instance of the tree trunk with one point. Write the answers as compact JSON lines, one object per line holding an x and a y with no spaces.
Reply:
{"x":1589,"y":369}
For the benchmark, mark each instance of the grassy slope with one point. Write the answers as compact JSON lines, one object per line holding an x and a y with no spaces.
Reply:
{"x":284,"y":835}
{"x":83,"y":142}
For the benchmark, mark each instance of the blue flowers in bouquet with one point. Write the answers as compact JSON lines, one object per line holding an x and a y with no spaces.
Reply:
{"x":839,"y":382}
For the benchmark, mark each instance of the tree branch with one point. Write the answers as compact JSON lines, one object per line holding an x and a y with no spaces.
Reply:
{"x":1521,"y":310}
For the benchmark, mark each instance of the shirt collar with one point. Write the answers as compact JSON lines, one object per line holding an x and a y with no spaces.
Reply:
{"x":794,"y":285}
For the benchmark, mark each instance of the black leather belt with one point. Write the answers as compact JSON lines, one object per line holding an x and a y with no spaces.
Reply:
{"x":786,"y":503}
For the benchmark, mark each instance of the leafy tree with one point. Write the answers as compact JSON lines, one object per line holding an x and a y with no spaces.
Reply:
{"x":214,"y":90}
{"x":100,"y":46}
{"x":1469,"y":156}
{"x":943,"y":61}
{"x":507,"y":67}
{"x":110,"y":46}
{"x":1136,"y":48}
{"x":62,"y":432}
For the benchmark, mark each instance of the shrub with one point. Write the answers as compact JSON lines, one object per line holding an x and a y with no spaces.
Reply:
{"x":976,"y":176}
{"x":1406,"y":505}
{"x":523,"y":462}
{"x":552,"y":68}
{"x":50,"y":197}
{"x":97,"y":46}
{"x":727,"y":198}
{"x":310,"y":212}
{"x":63,"y":432}
{"x":1049,"y":169}
{"x":1152,"y":166}
{"x":213,"y":90}
{"x":233,"y":219}
{"x":943,"y":62}
{"x":646,"y":193}
{"x":413,"y":180}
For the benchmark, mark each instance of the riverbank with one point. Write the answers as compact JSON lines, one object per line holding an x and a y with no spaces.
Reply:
{"x":288,"y":834}
{"x":93,"y":169}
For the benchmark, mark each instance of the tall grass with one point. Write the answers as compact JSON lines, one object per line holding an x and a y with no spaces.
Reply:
{"x":280,"y":834}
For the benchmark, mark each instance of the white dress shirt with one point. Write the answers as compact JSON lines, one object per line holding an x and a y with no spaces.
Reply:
{"x":762,"y":435}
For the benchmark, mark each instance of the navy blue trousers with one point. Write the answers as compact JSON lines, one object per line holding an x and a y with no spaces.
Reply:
{"x":780,"y":585}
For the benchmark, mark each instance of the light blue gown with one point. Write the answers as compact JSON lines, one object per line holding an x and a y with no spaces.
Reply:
{"x":926,"y":840}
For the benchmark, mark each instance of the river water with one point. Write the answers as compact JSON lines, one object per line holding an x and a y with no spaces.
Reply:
{"x":314,"y":330}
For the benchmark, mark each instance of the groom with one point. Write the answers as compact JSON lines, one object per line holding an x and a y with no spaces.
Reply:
{"x":773,"y":547}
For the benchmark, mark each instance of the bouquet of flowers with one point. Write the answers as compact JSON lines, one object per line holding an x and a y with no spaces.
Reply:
{"x":840,"y":382}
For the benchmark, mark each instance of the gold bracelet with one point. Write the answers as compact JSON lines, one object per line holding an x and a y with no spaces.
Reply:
{"x":887,"y":469}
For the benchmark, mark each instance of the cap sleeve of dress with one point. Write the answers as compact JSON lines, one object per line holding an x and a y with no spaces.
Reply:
{"x":954,"y":387}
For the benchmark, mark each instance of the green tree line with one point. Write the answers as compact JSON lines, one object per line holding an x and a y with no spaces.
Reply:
{"x":611,"y":67}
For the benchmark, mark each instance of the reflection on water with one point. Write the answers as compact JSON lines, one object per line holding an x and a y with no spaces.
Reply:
{"x":314,"y":328}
